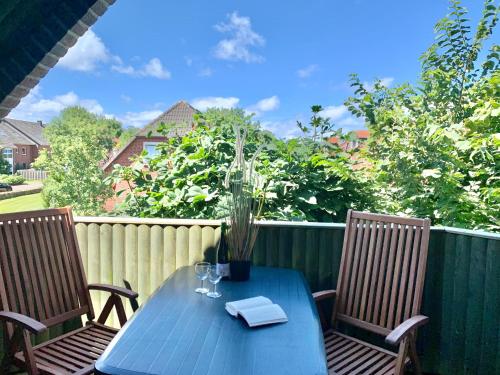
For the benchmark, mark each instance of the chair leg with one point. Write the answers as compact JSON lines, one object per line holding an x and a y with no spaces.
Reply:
{"x":11,"y":346}
{"x":414,"y":356}
{"x":120,"y":311}
{"x":106,"y":310}
{"x":116,"y":302}
{"x":401,"y":358}
{"x":29,"y":357}
{"x":20,"y":340}
{"x":322,"y":318}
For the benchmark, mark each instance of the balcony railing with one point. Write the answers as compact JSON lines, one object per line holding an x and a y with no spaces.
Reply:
{"x":462,"y":287}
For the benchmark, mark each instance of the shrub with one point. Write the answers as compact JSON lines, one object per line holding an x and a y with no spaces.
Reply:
{"x":435,"y":146}
{"x":300,"y":180}
{"x":12,"y":179}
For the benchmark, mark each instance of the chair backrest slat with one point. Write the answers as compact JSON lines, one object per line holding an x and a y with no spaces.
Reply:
{"x":382,"y":270}
{"x":41,"y":273}
{"x":66,"y":270}
{"x":33,"y":282}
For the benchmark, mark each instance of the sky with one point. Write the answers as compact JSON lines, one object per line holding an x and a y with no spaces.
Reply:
{"x":272,"y":58}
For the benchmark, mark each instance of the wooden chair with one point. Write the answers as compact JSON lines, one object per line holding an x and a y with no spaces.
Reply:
{"x":379,"y":289}
{"x":43,"y":284}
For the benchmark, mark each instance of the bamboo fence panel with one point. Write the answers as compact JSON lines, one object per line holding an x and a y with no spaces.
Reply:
{"x":461,"y":296}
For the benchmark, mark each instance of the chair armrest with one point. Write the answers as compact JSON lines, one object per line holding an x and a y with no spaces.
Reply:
{"x":124,"y":292}
{"x":24,"y":321}
{"x":402,"y":330}
{"x":324,"y":294}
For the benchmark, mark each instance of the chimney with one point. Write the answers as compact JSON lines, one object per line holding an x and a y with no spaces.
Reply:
{"x":40,"y":123}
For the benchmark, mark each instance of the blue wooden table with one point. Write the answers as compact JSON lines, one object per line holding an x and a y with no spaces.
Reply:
{"x":178,"y":331}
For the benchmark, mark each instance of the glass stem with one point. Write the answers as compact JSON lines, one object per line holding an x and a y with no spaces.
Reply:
{"x":201,"y":283}
{"x":215,"y":288}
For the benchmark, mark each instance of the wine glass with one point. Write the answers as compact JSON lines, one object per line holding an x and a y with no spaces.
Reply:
{"x":214,"y":277}
{"x":201,"y":269}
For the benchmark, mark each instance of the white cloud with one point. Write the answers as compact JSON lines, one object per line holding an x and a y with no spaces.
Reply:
{"x":85,"y":56}
{"x":154,"y":68}
{"x":35,"y":106}
{"x":124,"y":69}
{"x":264,"y":105}
{"x":307,"y":71}
{"x":139,"y":119}
{"x":282,"y":129}
{"x":125,"y":98}
{"x":385,"y":81}
{"x":341,"y":117}
{"x":205,"y":72}
{"x":268,"y":104}
{"x":351,"y":123}
{"x":334,"y":112}
{"x":188,"y":60}
{"x":203,"y":104}
{"x":89,"y":53}
{"x":241,"y":39}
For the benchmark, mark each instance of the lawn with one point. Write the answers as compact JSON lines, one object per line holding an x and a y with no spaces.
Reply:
{"x":22,"y":203}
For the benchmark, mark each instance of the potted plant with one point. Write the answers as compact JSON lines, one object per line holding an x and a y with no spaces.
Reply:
{"x":244,"y":206}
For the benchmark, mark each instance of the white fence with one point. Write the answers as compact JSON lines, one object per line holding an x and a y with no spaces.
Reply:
{"x":32,"y":174}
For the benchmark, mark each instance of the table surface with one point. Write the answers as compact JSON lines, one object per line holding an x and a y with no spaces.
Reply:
{"x":178,"y":331}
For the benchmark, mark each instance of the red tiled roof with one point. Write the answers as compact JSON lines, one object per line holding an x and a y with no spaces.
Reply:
{"x":362,"y":134}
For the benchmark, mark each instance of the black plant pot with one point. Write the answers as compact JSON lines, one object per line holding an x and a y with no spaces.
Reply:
{"x":240,"y":270}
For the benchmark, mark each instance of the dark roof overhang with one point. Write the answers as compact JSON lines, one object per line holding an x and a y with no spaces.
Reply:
{"x":34,"y":35}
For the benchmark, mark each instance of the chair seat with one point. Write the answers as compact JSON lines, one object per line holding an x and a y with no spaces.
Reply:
{"x":347,"y":355}
{"x":74,"y":352}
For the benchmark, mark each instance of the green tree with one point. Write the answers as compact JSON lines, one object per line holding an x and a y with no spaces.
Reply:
{"x":319,"y":127}
{"x":434,"y":147}
{"x":75,"y":177}
{"x":79,"y":122}
{"x":186,"y":179}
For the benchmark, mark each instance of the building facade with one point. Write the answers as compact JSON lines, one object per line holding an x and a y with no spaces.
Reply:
{"x":21,"y":142}
{"x":179,"y":117}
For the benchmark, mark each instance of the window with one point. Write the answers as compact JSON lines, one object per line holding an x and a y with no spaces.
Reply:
{"x":150,"y":148}
{"x":23,"y":150}
{"x":7,"y":153}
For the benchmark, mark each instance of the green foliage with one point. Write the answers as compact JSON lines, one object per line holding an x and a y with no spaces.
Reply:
{"x":77,"y":147}
{"x":12,"y":179}
{"x":78,"y":122}
{"x":126,"y":135}
{"x":434,"y":148}
{"x":5,"y":167}
{"x":186,"y":179}
{"x":318,"y":129}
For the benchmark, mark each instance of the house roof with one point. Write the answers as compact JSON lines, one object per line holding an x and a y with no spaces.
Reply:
{"x":180,"y":116}
{"x":34,"y":35}
{"x":362,"y":134}
{"x":17,"y":132}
